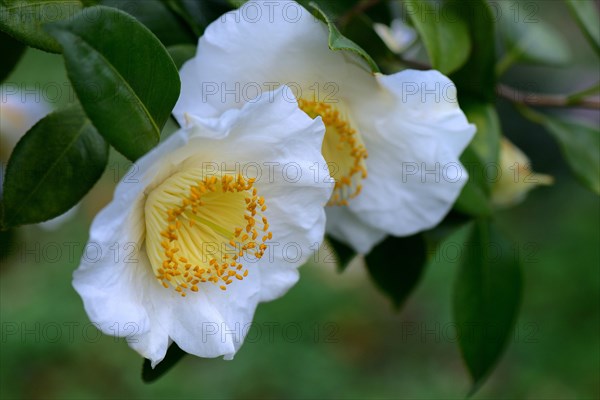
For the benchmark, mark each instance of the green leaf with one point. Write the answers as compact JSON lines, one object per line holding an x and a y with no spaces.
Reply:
{"x":477,"y":77}
{"x":174,"y":355}
{"x":344,"y":253}
{"x":474,"y":198}
{"x":529,"y":41}
{"x":580,"y":146}
{"x":487,"y":294}
{"x":181,"y":53}
{"x":24,"y":19}
{"x":444,"y":33}
{"x":396,"y":266}
{"x":586,"y":14}
{"x":338,"y":42}
{"x":52,"y":167}
{"x":128,"y":88}
{"x":473,"y":201}
{"x":486,"y":143}
{"x":12,"y":50}
{"x":157,"y":17}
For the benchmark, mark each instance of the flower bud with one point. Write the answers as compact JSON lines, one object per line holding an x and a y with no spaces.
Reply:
{"x":517,"y":177}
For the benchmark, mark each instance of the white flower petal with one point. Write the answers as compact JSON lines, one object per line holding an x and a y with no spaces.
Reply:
{"x":345,"y":226}
{"x":288,"y":176}
{"x":111,"y":291}
{"x":210,"y":322}
{"x":299,"y":229}
{"x":414,"y":170}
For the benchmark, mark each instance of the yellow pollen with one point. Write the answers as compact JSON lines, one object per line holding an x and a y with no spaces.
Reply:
{"x":342,"y":148}
{"x":194,"y":226}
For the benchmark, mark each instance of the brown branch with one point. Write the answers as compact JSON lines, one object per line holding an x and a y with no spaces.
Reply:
{"x":545,"y":100}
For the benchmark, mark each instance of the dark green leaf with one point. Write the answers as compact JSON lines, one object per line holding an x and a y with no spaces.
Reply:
{"x":474,"y":198}
{"x":586,"y":14}
{"x":344,"y":253}
{"x":486,"y":143}
{"x":157,"y":17}
{"x":11,"y":51}
{"x":444,"y":33}
{"x":52,"y":167}
{"x":174,"y":355}
{"x":338,"y":42}
{"x":477,"y":78}
{"x":129,"y":87}
{"x":24,"y":19}
{"x":580,"y":145}
{"x":181,"y":53}
{"x":396,"y":266}
{"x":487,"y":294}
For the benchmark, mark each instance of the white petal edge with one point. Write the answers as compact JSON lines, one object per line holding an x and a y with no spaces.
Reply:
{"x":416,"y":134}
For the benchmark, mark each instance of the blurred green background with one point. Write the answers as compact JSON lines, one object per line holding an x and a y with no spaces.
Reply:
{"x":333,"y":335}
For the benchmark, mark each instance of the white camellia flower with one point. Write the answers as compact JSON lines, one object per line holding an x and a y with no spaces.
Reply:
{"x":201,"y":241}
{"x":408,"y":124}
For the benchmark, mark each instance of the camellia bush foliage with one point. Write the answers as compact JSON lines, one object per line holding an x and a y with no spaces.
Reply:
{"x":407,"y":89}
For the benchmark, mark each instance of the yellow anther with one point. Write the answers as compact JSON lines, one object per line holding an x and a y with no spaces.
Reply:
{"x":193,"y":215}
{"x":343,"y":147}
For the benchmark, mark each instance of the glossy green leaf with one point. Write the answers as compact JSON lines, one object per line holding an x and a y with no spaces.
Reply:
{"x":344,"y":253}
{"x":444,"y":33}
{"x":396,"y":266}
{"x":24,"y":20}
{"x":11,"y":51}
{"x":486,"y":143}
{"x":528,"y":39}
{"x":181,"y":53}
{"x":52,"y":167}
{"x":586,"y":15}
{"x":477,"y":77}
{"x":580,"y":145}
{"x":157,"y":17}
{"x":174,"y":355}
{"x":487,"y":294}
{"x":338,"y":42}
{"x":128,"y":88}
{"x":474,"y":198}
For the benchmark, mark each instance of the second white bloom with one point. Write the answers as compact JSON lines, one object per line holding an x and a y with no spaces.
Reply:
{"x":392,"y":142}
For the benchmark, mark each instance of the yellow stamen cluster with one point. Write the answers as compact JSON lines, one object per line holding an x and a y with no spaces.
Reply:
{"x":205,"y":237}
{"x":342,"y":149}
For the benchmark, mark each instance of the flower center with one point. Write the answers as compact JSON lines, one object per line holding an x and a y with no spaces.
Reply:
{"x":343,"y":150}
{"x":200,"y":228}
